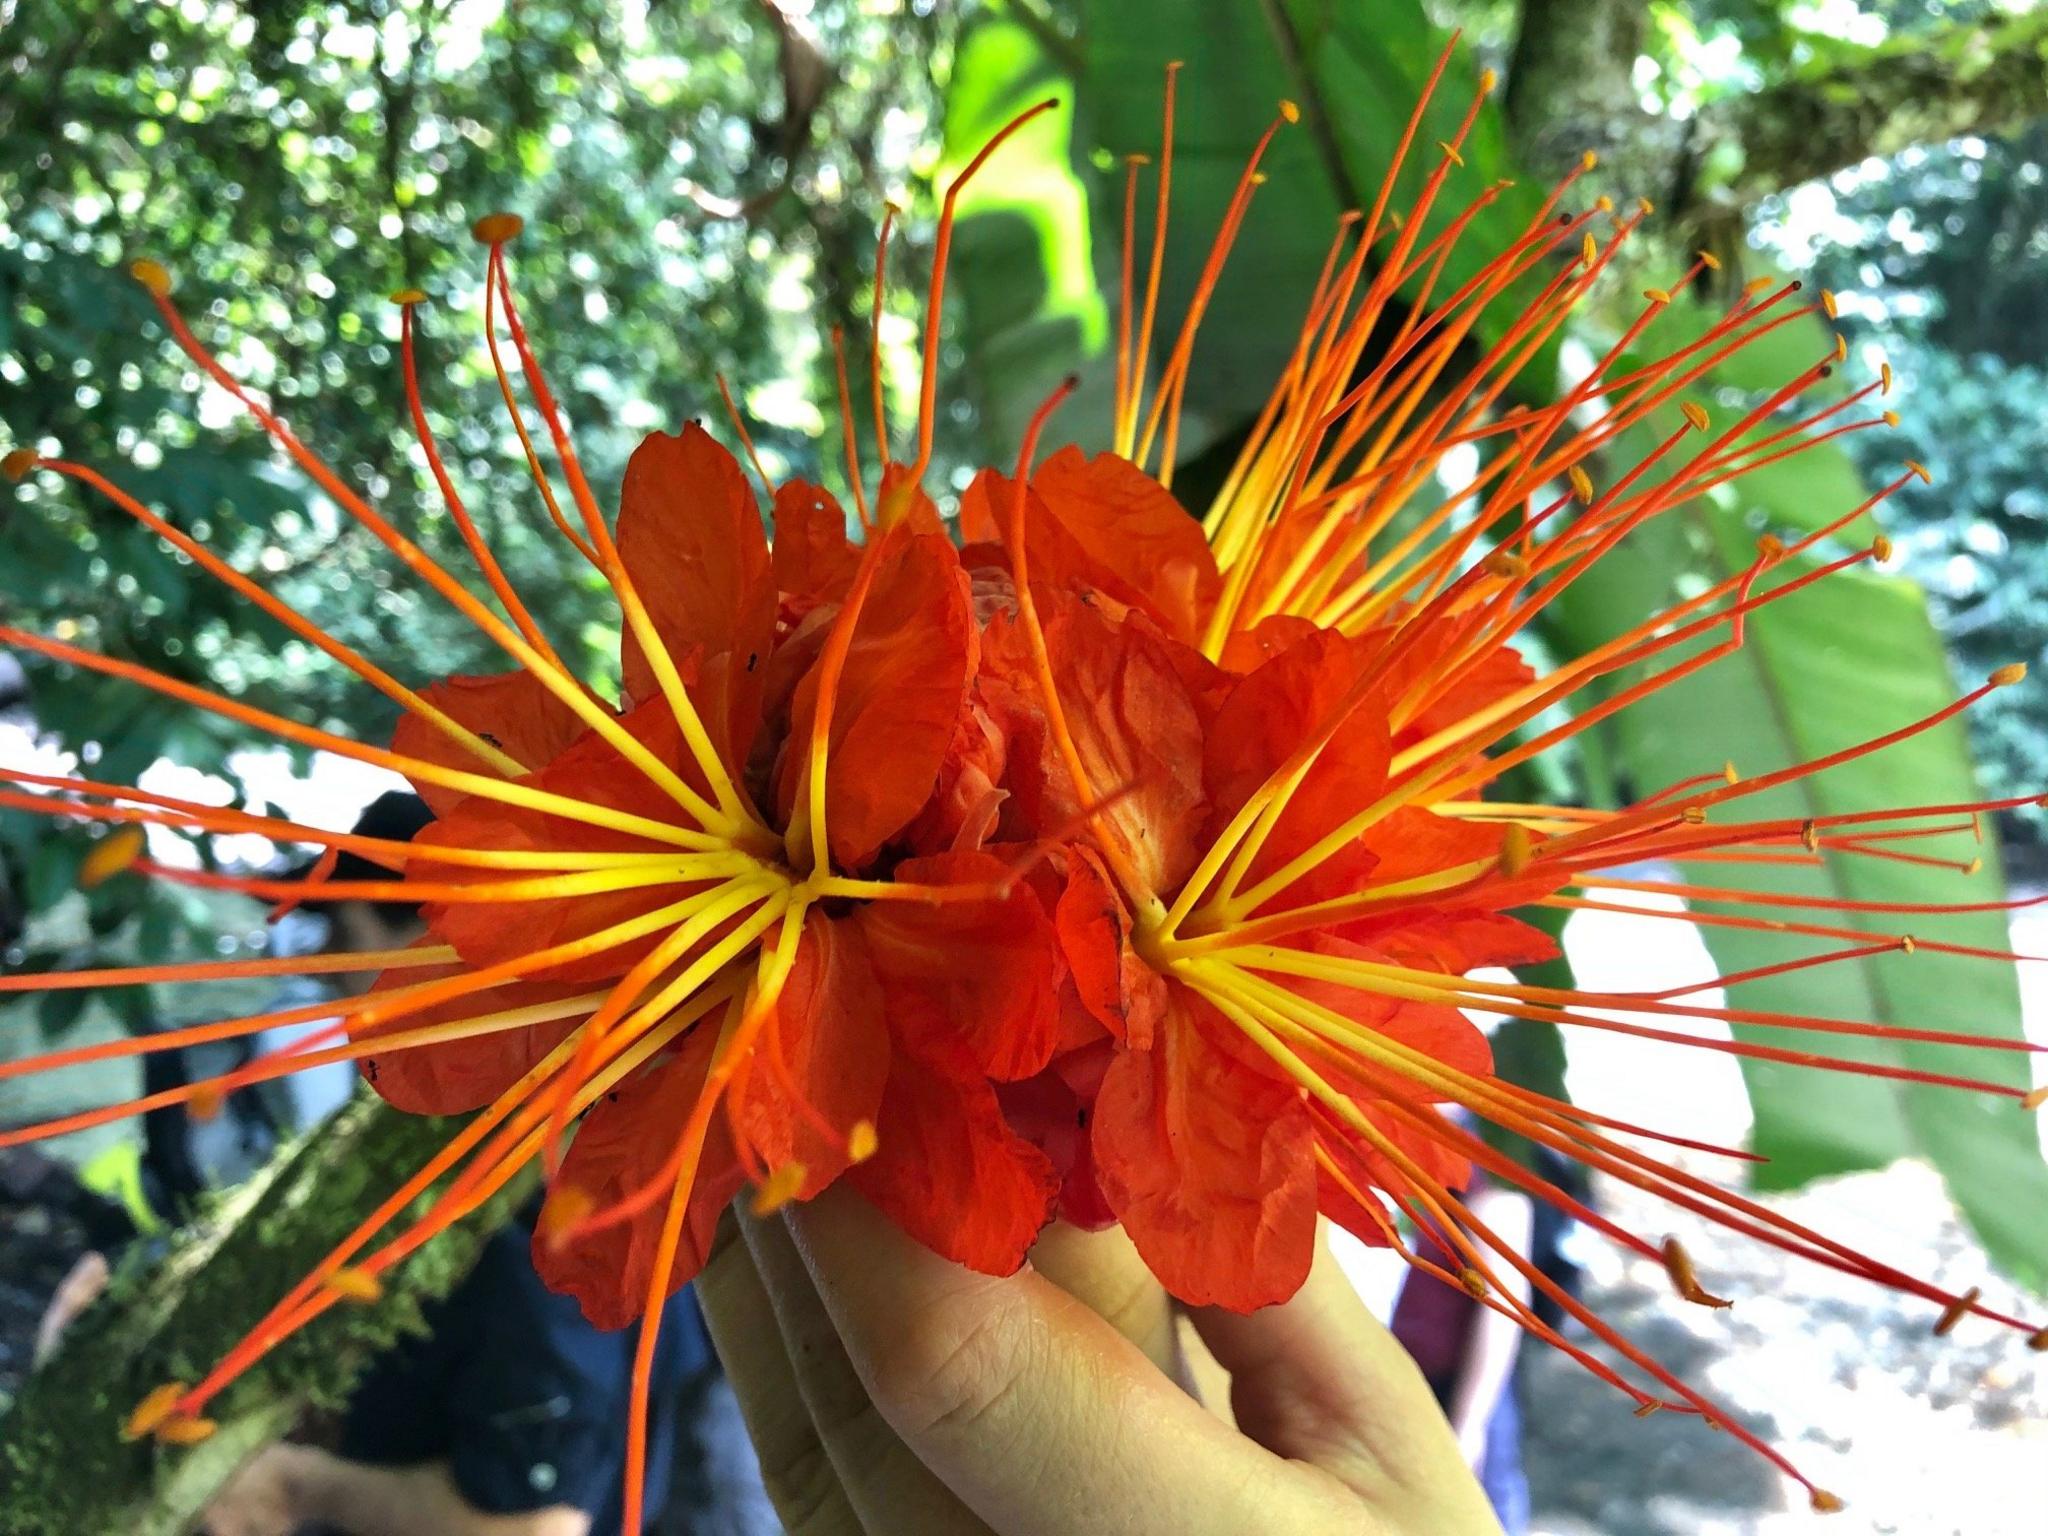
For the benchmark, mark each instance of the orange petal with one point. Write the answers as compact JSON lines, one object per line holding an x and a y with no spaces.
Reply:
{"x":691,"y":539}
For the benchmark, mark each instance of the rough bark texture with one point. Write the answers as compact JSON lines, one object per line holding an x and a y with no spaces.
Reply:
{"x":169,"y":1315}
{"x":1569,"y":89}
{"x":1877,"y":101}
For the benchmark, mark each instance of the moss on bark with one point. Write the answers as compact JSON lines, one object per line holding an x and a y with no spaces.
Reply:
{"x":170,"y":1314}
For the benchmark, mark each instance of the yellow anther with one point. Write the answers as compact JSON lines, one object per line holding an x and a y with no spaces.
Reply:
{"x":1135,"y":159}
{"x":1955,"y":1312}
{"x":779,"y":1188}
{"x":1582,"y":484}
{"x":153,"y":275}
{"x":1450,"y":151}
{"x":1587,"y":160}
{"x":2035,"y":1100}
{"x":16,"y":465}
{"x":1825,"y":1503}
{"x":2005,"y":676}
{"x":1474,"y":1283}
{"x":1645,"y":207}
{"x":1841,"y":349}
{"x":353,"y":1283}
{"x":2038,"y":1342}
{"x":1890,"y":418}
{"x":1678,"y":1265}
{"x":1695,"y":413}
{"x":1915,"y":467}
{"x":156,"y":1407}
{"x":1770,"y":546}
{"x":409,"y":296}
{"x":1827,"y":303}
{"x":1694,"y":815}
{"x":1488,"y":79}
{"x":1644,"y":1410}
{"x":497,"y":228}
{"x":1809,"y":836}
{"x":184,"y":1429}
{"x":1755,"y":286}
{"x":1657,"y":295}
{"x":1974,"y":867}
{"x":1589,"y":249}
{"x":1506,"y":564}
{"x":567,"y":1205}
{"x":1908,"y":944}
{"x":206,"y":1103}
{"x":109,"y":856}
{"x":1603,"y":204}
{"x":1289,"y":110}
{"x":1728,"y":772}
{"x":1258,"y":178}
{"x":1709,"y":260}
{"x":861,"y":1141}
{"x":1881,"y":549}
{"x":1884,"y":374}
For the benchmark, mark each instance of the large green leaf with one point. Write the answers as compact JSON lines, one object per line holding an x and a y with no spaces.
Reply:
{"x":1848,"y":659}
{"x":1031,"y":276}
{"x":1032,"y":311}
{"x":1355,"y":71}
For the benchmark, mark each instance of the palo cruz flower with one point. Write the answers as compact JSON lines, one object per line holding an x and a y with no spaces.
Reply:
{"x":1066,"y":852}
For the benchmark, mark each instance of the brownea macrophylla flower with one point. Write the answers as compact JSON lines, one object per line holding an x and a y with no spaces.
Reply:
{"x":1066,"y":850}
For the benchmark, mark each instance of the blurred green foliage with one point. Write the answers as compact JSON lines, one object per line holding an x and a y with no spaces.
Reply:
{"x":292,"y":163}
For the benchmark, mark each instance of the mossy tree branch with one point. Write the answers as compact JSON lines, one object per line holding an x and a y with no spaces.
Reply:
{"x":1570,"y":88}
{"x":64,"y":1469}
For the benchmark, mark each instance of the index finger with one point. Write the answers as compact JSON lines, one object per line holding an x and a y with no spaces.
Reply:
{"x":1038,"y":1414}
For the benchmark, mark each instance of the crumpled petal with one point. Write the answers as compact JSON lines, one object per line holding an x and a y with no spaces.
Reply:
{"x":820,"y":1062}
{"x":813,"y":558}
{"x":1103,"y":525}
{"x":949,"y":1170}
{"x":591,"y":770}
{"x":1135,"y":726}
{"x":1265,"y":719}
{"x":971,"y":984}
{"x":513,"y":711}
{"x":452,"y":1077}
{"x":1210,"y":1168}
{"x":691,"y":540}
{"x":899,"y":699}
{"x":624,"y":1141}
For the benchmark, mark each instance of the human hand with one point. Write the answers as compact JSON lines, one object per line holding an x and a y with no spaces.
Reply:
{"x":82,"y":1285}
{"x":888,"y":1390}
{"x":261,"y":1499}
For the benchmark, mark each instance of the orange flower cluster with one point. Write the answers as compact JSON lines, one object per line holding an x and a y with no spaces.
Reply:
{"x":1064,"y":854}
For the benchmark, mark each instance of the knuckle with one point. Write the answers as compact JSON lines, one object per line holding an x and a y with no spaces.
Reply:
{"x":802,"y":1484}
{"x":943,"y":1376}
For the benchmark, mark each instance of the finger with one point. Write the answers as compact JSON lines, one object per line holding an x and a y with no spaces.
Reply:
{"x":1102,"y":1270}
{"x":1320,"y":1380}
{"x":80,"y":1288}
{"x":885,"y":1483}
{"x":1041,"y":1416}
{"x":800,"y":1478}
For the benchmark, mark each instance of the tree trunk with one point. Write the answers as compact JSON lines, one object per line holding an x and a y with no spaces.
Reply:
{"x":169,"y":1315}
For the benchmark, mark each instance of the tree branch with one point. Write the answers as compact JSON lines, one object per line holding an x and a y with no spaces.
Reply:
{"x":1570,"y":89}
{"x":62,"y":1460}
{"x":1861,"y":101}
